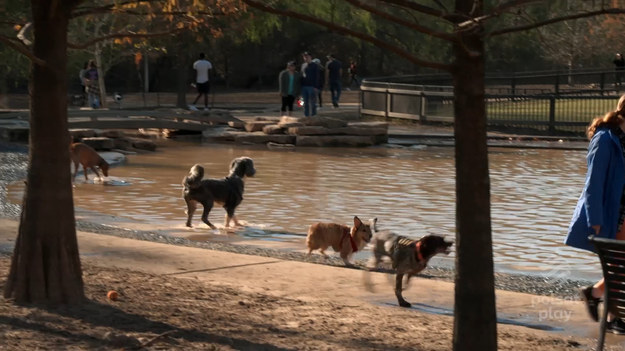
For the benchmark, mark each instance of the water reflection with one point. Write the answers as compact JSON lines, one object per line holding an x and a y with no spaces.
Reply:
{"x":410,"y":190}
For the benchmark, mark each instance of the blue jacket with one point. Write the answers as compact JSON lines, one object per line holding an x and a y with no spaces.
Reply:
{"x":601,"y":197}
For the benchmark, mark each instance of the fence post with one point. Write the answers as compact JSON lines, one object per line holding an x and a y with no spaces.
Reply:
{"x":422,"y":105}
{"x":552,"y":115}
{"x":387,"y":104}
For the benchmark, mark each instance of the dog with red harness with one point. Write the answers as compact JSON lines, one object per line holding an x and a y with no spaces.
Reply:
{"x":408,"y":256}
{"x":343,"y":239}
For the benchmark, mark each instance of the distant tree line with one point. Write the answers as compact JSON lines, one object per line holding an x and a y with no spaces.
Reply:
{"x":249,"y":51}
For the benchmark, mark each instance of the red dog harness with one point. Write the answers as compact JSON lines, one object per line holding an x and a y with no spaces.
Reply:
{"x":351,"y":240}
{"x":418,"y":250}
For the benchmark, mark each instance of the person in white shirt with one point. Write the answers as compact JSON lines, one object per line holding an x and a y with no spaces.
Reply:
{"x":201,"y":67}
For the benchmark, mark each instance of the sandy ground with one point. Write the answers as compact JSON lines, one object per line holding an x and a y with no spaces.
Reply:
{"x":182,"y":298}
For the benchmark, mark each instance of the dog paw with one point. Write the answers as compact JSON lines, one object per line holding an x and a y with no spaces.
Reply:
{"x":405,"y":304}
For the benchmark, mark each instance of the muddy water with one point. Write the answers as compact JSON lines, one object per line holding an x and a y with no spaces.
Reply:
{"x":410,"y":191}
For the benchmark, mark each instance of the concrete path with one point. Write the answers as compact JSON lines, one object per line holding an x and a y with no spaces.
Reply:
{"x":313,"y":281}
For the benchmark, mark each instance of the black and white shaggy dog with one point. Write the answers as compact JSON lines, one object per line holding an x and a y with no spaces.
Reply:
{"x":227,"y":191}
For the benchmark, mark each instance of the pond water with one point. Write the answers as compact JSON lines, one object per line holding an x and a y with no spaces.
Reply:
{"x":409,"y":190}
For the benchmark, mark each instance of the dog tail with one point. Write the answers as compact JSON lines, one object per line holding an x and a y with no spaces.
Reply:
{"x":193,"y":179}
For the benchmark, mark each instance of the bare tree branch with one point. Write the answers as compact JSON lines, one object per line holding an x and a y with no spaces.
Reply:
{"x":451,"y":17}
{"x":608,"y":11}
{"x":408,"y":24}
{"x":368,"y":38}
{"x":121,"y":35}
{"x":22,"y":49}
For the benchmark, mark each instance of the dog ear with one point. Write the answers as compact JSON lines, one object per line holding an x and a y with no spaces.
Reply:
{"x":357,"y":222}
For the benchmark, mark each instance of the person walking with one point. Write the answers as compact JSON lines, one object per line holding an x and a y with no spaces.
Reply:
{"x":321,"y":82}
{"x":353,"y":73}
{"x":290,"y":85}
{"x":92,"y":85}
{"x":619,"y":68}
{"x":600,"y":210}
{"x":334,"y":72}
{"x":202,"y":67}
{"x":310,"y":82}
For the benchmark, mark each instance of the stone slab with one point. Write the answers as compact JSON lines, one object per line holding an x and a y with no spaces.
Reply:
{"x":273,"y":129}
{"x":261,"y":138}
{"x":334,"y":140}
{"x":99,"y":143}
{"x":257,"y":126}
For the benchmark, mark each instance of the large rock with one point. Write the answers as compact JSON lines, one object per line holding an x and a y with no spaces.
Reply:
{"x":314,"y":130}
{"x":373,"y":124}
{"x":273,"y":129}
{"x":310,"y":130}
{"x":236,"y":124}
{"x":334,"y":140}
{"x":99,"y":143}
{"x":110,"y":133}
{"x":143,"y":144}
{"x":259,"y":138}
{"x":122,"y":143}
{"x":257,"y":126}
{"x":324,"y":122}
{"x":78,"y":134}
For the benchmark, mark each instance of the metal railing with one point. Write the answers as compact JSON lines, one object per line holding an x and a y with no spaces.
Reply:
{"x":538,"y":110}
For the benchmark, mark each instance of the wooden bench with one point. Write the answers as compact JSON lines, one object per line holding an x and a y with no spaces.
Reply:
{"x":612,"y":255}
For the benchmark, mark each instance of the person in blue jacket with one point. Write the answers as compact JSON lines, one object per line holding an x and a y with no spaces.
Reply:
{"x":600,"y":209}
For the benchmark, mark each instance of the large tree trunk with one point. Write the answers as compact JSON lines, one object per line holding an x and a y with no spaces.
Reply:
{"x":475,"y":316}
{"x":45,"y":266}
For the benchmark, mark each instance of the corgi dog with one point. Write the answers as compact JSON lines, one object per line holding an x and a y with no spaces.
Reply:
{"x":343,"y":239}
{"x":86,"y":156}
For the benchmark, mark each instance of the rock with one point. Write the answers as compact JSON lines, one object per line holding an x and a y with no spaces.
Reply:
{"x":122,"y":143}
{"x":99,"y":143}
{"x":143,"y":144}
{"x":14,"y":133}
{"x":256,"y":126}
{"x":317,"y":130}
{"x":310,"y":130}
{"x":111,"y":133}
{"x":373,"y":124}
{"x":258,"y":138}
{"x":273,"y":129}
{"x":287,"y":125}
{"x":334,"y":140}
{"x":78,"y":134}
{"x":324,"y":122}
{"x":236,"y":124}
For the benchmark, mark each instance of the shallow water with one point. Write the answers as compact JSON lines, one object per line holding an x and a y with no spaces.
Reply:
{"x":409,"y":190}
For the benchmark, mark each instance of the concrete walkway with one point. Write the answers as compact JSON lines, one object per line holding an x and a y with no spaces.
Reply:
{"x":273,"y":276}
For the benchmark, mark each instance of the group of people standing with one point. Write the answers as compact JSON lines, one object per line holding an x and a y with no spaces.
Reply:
{"x":309,"y":83}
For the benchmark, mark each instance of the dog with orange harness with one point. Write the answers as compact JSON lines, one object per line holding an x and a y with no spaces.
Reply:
{"x":343,"y":239}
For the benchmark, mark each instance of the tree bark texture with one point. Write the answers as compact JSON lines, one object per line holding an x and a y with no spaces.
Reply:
{"x":45,"y":266}
{"x":475,"y":316}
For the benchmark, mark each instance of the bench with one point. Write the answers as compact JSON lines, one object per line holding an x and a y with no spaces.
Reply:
{"x":612,"y":255}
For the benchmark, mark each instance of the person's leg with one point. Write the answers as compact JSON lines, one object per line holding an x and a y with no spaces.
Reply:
{"x":290,"y":100}
{"x":319,"y":95}
{"x":307,"y":93}
{"x":284,"y":105}
{"x":313,"y":102}
{"x":207,"y":90}
{"x":338,"y":91}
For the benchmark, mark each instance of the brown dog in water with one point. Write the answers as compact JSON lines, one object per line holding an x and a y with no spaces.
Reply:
{"x":86,"y":156}
{"x":342,"y":238}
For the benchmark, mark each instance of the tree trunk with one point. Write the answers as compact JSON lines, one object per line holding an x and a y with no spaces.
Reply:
{"x":475,"y":316}
{"x":45,"y":266}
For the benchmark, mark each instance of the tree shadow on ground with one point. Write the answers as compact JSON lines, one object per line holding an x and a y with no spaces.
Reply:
{"x":92,"y":314}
